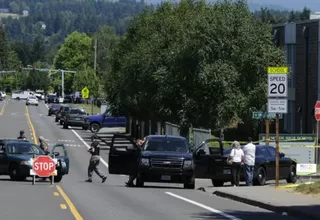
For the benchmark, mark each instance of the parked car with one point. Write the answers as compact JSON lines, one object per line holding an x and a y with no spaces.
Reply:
{"x":53,"y":109}
{"x":15,"y":158}
{"x":3,"y":95}
{"x":75,"y":117}
{"x":61,"y":113}
{"x":32,"y":100}
{"x":51,"y":99}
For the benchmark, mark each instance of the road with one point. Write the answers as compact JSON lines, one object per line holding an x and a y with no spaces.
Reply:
{"x":75,"y":199}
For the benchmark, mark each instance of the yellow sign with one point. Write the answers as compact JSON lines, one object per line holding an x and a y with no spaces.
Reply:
{"x":278,"y":70}
{"x":85,"y":93}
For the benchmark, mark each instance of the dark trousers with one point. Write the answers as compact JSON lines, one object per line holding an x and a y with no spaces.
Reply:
{"x":235,"y":169}
{"x":249,"y":174}
{"x":93,"y":166}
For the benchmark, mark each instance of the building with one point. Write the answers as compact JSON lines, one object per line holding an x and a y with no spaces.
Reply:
{"x":300,"y":42}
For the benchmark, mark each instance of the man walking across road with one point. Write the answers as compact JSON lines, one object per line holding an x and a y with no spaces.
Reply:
{"x":95,"y":160}
{"x":249,"y":151}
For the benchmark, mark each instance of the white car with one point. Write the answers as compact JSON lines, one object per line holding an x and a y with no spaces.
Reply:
{"x":32,"y":100}
{"x":3,"y":94}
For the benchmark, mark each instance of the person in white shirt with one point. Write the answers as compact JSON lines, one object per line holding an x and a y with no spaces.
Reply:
{"x":237,"y":160}
{"x":249,"y":160}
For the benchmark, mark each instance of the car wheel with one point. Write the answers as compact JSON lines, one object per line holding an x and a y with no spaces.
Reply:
{"x":217,"y":183}
{"x":36,"y":104}
{"x":292,"y":177}
{"x":261,"y":177}
{"x":189,"y":185}
{"x":139,"y":182}
{"x":56,"y":119}
{"x":14,"y":172}
{"x":94,"y":127}
{"x":57,"y":179}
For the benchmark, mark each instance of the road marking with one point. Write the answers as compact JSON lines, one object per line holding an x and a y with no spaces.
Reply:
{"x":56,"y":194}
{"x":231,"y":217}
{"x":63,"y":206}
{"x":2,"y":109}
{"x":72,"y":208}
{"x":34,"y":136}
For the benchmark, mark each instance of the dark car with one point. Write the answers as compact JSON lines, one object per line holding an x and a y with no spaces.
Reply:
{"x":53,"y":109}
{"x":61,"y":113}
{"x":51,"y":99}
{"x":211,"y":163}
{"x":15,"y":156}
{"x":162,"y":158}
{"x":75,"y":117}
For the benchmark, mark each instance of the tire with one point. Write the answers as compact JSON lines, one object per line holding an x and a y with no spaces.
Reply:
{"x":14,"y":172}
{"x":217,"y":183}
{"x":58,"y":178}
{"x":261,"y":177}
{"x":56,"y":119}
{"x":292,"y":176}
{"x":94,"y":127}
{"x":189,"y":185}
{"x":36,"y":104}
{"x":139,"y":182}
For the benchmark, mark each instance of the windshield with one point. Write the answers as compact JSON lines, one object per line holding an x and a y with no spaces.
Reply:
{"x":32,"y":97}
{"x":166,"y":144}
{"x":55,"y":106}
{"x":78,"y":112}
{"x":23,"y":148}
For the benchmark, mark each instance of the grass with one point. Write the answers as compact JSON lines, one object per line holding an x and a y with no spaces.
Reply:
{"x":310,"y":189}
{"x":88,"y":108}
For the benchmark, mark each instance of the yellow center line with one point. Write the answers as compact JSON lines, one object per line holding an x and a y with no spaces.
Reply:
{"x":63,"y":206}
{"x":33,"y":132}
{"x":72,"y":208}
{"x":2,"y":109}
{"x":56,"y":193}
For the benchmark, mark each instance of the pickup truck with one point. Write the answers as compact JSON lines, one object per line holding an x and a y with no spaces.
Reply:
{"x":96,"y":122}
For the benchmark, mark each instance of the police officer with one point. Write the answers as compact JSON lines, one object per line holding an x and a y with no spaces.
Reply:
{"x":22,"y":136}
{"x":95,"y":160}
{"x":43,"y":144}
{"x":132,"y":177}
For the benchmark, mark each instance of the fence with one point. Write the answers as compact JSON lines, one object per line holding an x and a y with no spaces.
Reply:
{"x":199,"y":135}
{"x":172,"y":129}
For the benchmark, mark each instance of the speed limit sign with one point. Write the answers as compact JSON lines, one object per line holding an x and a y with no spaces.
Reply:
{"x":278,"y":85}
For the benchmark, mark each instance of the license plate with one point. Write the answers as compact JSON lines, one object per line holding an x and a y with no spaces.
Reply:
{"x":78,"y":119}
{"x":226,"y":171}
{"x":166,"y":178}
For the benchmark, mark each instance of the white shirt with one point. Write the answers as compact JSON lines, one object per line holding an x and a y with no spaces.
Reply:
{"x":237,"y":155}
{"x":249,"y":154}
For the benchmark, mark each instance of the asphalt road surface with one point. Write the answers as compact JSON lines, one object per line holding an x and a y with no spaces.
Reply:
{"x":75,"y":199}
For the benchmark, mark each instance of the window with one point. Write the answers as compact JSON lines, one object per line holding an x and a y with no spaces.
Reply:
{"x":23,"y":148}
{"x":166,"y":145}
{"x":262,"y":151}
{"x":272,"y":151}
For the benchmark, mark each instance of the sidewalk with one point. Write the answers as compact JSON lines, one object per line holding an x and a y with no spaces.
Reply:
{"x":277,"y":200}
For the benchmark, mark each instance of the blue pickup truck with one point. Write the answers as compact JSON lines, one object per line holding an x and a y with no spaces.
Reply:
{"x":96,"y":122}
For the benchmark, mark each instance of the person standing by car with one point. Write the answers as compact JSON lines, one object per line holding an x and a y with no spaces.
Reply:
{"x":249,"y":151}
{"x":237,"y":160}
{"x":130,"y":183}
{"x":94,"y":150}
{"x":43,"y":145}
{"x":22,"y":136}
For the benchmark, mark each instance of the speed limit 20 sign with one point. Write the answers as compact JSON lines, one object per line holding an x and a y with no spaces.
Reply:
{"x":278,"y":85}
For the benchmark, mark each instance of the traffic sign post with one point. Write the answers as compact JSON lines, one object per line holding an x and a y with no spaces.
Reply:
{"x":85,"y":93}
{"x":43,"y":166}
{"x":277,"y":102}
{"x":317,"y":116}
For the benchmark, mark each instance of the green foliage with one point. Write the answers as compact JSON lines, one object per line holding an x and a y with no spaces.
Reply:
{"x":193,"y":63}
{"x":86,"y":78}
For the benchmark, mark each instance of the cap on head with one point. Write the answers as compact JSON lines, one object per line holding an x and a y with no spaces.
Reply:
{"x":22,"y":132}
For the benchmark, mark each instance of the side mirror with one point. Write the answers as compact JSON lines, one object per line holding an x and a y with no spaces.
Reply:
{"x":56,"y":154}
{"x":282,"y":155}
{"x":201,"y":152}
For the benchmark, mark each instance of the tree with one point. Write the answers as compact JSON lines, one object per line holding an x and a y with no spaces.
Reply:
{"x":194,"y":64}
{"x":86,"y":78}
{"x":4,"y":49}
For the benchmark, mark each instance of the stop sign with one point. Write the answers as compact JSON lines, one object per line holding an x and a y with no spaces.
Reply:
{"x":44,"y":166}
{"x":317,"y":111}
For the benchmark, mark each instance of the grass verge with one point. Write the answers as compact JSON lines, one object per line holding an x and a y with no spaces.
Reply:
{"x":88,"y":108}
{"x":310,"y":189}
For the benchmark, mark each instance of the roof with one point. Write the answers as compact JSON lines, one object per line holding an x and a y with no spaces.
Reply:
{"x":13,"y":140}
{"x":164,"y":136}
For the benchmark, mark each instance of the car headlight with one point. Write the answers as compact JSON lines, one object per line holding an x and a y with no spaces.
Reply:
{"x":144,"y":162}
{"x":26,"y":162}
{"x":188,"y":163}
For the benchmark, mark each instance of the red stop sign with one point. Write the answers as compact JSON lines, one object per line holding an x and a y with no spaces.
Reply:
{"x":44,"y":166}
{"x":317,"y":111}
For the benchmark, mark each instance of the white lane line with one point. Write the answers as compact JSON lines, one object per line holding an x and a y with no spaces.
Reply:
{"x":231,"y":217}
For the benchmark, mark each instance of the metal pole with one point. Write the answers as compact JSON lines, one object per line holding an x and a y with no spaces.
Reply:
{"x":300,"y":123}
{"x":277,"y":150}
{"x":267,"y":131}
{"x":317,"y":143}
{"x":95,"y":56}
{"x":33,"y":176}
{"x":62,"y":83}
{"x":52,"y":176}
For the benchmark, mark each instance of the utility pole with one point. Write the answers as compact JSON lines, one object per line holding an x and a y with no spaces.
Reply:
{"x":62,"y":79}
{"x":95,"y":56}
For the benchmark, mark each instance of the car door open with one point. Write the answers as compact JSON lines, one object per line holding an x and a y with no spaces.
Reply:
{"x":122,"y":155}
{"x":59,"y":151}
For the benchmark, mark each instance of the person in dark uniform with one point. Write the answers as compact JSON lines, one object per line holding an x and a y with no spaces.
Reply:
{"x":130,"y":183}
{"x":94,"y":150}
{"x":22,"y":136}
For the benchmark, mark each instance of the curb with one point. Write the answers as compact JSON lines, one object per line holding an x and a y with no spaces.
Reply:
{"x":278,"y":209}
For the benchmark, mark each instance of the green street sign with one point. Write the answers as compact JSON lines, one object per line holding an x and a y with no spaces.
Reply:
{"x":266,"y":115}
